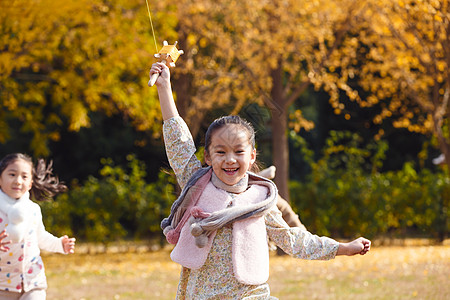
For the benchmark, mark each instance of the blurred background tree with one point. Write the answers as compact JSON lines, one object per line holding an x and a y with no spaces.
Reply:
{"x":400,"y":65}
{"x":267,"y":52}
{"x":61,"y":61}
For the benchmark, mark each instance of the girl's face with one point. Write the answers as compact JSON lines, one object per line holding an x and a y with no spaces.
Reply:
{"x":230,"y":154}
{"x":16,"y":179}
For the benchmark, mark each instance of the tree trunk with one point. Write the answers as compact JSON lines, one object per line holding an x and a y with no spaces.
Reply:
{"x":445,"y":149}
{"x":280,"y":153}
{"x":280,"y":147}
{"x":181,"y":84}
{"x":183,"y":90}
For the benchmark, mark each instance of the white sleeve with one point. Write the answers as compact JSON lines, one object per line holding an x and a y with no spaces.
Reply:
{"x":46,"y":240}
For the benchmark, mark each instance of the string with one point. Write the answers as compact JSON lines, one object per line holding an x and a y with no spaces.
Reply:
{"x":151,"y":23}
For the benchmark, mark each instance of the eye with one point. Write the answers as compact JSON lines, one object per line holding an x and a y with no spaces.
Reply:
{"x":220,"y":152}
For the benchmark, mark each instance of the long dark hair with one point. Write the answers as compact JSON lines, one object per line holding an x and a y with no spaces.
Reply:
{"x":236,"y":120}
{"x":45,"y":185}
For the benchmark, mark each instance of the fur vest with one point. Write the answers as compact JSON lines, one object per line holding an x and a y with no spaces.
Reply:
{"x":250,"y":254}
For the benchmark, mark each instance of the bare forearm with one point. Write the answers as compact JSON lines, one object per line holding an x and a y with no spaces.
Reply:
{"x":166,"y":101}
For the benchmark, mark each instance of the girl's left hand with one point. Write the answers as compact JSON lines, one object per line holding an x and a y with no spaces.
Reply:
{"x":4,"y":235}
{"x":359,"y":246}
{"x":68,"y":244}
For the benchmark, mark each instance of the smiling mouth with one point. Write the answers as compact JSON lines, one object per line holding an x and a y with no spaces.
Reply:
{"x":231,"y":171}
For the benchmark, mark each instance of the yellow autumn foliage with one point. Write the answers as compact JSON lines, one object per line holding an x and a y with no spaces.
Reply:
{"x":78,"y":56}
{"x":70,"y":58}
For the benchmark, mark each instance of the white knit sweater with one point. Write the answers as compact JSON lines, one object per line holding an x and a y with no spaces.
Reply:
{"x":22,"y":264}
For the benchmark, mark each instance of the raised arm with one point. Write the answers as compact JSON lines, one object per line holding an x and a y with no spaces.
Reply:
{"x":180,"y":147}
{"x":168,"y":107}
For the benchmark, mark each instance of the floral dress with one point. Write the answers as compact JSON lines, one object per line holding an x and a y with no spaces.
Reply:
{"x":215,"y":279}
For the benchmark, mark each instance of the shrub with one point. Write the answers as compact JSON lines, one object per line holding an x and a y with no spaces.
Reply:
{"x":120,"y":204}
{"x":345,"y":195}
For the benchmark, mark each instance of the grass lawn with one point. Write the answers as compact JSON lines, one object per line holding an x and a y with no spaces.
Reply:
{"x":416,"y":272}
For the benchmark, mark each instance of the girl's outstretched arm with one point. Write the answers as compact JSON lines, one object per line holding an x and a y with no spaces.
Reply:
{"x":358,"y":246}
{"x":3,"y":235}
{"x":168,"y":107}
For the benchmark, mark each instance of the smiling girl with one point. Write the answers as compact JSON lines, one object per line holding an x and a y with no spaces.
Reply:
{"x":224,"y":214}
{"x":23,"y":233}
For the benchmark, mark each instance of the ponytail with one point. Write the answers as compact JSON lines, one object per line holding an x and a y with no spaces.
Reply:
{"x":45,"y":184}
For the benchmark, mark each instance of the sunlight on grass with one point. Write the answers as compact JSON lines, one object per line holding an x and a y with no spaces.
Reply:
{"x":385,"y":273}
